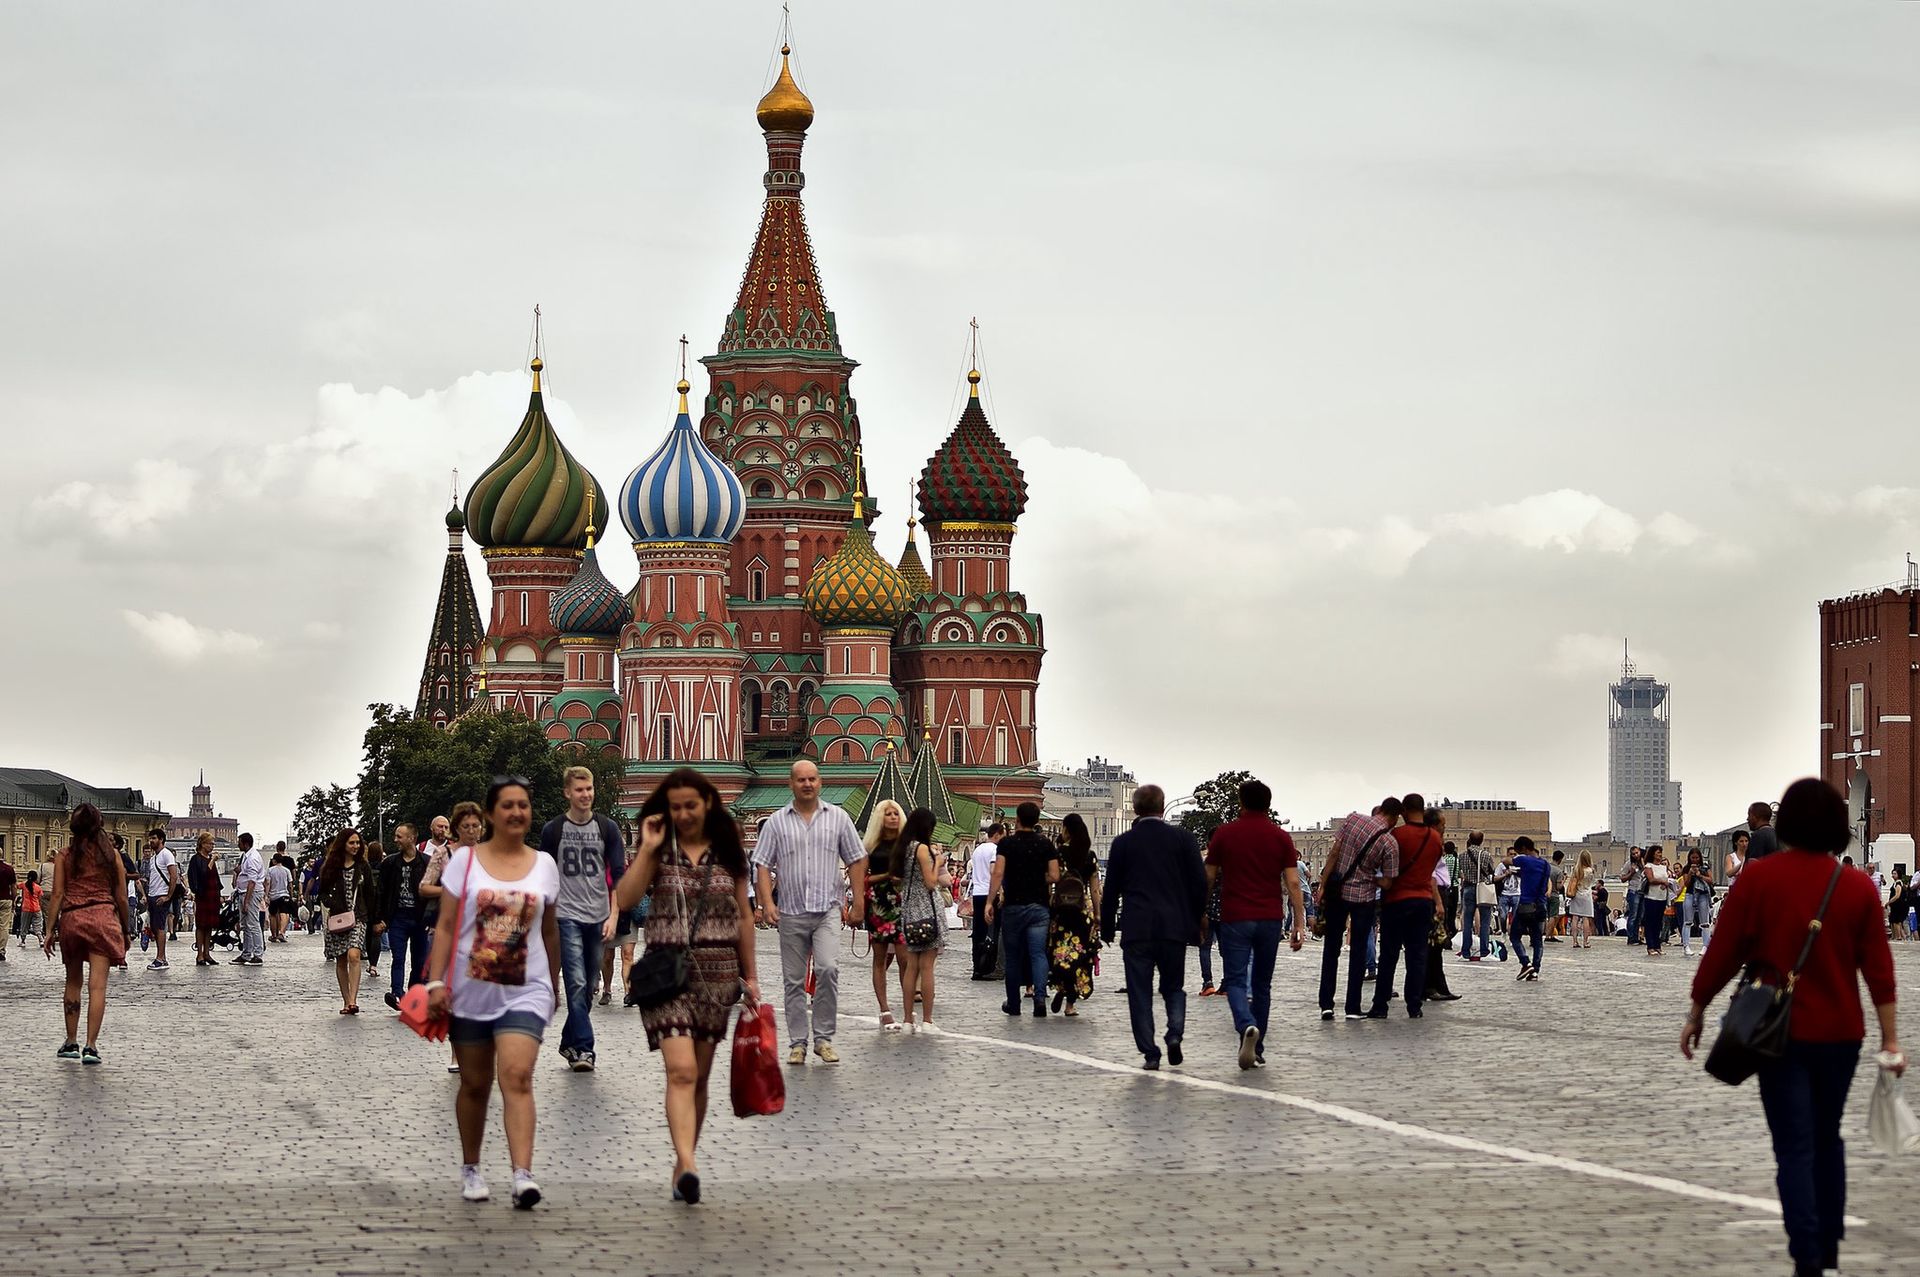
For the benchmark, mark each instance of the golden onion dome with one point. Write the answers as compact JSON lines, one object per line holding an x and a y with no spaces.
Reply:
{"x":856,"y":586}
{"x":784,"y":109}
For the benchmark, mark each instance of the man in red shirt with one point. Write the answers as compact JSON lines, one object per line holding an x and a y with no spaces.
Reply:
{"x":1407,"y":909}
{"x":1253,"y":861}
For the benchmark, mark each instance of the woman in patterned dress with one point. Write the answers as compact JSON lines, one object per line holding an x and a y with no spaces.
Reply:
{"x":692,"y":868}
{"x":346,"y":885}
{"x":923,"y":930}
{"x":1071,"y":942}
{"x":885,"y":852}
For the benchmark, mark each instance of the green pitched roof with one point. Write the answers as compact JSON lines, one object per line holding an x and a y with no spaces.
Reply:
{"x":889,"y":784}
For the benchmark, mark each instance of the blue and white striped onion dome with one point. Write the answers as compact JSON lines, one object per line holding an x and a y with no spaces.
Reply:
{"x":683,"y":492}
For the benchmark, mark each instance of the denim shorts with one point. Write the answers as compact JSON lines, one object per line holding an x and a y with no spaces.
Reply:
{"x":464,"y":1032}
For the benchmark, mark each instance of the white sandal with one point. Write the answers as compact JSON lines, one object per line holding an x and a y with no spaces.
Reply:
{"x":887,"y":1024}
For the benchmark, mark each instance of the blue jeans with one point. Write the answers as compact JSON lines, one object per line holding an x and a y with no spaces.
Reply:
{"x":1404,"y":927}
{"x":1023,"y":939}
{"x":1248,"y":950}
{"x":407,"y":941}
{"x":1804,"y":1094}
{"x":1633,"y":917}
{"x":1142,"y":958}
{"x":1206,"y":956}
{"x":580,"y":970}
{"x":1485,"y":914}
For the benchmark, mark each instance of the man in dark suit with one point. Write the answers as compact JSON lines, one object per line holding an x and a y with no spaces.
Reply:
{"x":1156,"y":869}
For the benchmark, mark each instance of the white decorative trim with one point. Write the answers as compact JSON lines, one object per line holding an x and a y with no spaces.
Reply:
{"x":1896,"y":718}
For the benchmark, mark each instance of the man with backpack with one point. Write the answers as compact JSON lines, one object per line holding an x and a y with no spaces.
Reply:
{"x":1253,"y":863}
{"x":591,"y":856}
{"x":1364,"y":855}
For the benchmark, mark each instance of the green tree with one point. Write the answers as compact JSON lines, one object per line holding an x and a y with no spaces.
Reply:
{"x":413,"y":771}
{"x":1215,"y":802}
{"x":319,"y":814}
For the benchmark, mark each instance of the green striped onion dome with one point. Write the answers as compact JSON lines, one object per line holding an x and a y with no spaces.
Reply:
{"x":590,"y":605}
{"x":535,"y":494}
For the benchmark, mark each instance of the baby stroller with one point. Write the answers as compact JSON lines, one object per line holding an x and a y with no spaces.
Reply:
{"x":227,"y":934}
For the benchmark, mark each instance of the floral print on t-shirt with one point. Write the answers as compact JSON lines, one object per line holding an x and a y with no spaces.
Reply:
{"x":502,"y":921}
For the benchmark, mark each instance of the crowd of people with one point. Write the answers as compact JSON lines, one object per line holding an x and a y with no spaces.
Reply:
{"x":503,"y":928}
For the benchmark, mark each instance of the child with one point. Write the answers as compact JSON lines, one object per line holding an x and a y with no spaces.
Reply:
{"x":35,"y":922}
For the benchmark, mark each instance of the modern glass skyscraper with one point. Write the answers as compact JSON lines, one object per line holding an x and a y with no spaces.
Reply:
{"x":1642,"y":802}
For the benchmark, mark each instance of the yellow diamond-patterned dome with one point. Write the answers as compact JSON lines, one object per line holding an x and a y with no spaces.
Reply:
{"x":856,"y":586}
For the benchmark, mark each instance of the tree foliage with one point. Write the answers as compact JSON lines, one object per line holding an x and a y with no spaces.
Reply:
{"x":413,"y":771}
{"x":1215,"y":802}
{"x":319,"y":814}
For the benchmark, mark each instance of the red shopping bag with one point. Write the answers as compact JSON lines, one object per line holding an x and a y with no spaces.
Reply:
{"x":810,"y":980}
{"x":758,"y":1085}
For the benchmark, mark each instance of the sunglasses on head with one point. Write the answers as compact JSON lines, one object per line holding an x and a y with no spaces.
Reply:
{"x":521,"y":781}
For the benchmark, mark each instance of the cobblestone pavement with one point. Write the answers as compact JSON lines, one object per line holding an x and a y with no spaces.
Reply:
{"x":240,"y":1125}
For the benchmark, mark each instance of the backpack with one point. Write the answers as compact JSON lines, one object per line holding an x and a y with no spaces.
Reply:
{"x":1070,"y":893}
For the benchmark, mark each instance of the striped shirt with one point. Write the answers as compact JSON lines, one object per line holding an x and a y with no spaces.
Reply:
{"x":806,"y":855}
{"x":1362,"y":857}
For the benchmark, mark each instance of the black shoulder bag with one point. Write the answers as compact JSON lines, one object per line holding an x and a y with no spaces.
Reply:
{"x":1753,"y":1033}
{"x":663,"y":971}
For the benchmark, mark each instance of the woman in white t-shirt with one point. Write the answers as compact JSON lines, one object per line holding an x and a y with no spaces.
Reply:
{"x":497,"y":971}
{"x":1654,"y":896}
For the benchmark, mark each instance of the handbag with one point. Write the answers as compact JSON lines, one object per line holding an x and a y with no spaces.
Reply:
{"x":1890,"y":1120}
{"x":338,"y":922}
{"x":1484,"y":894}
{"x":757,"y":1084}
{"x":1753,"y":1032}
{"x":663,"y":971}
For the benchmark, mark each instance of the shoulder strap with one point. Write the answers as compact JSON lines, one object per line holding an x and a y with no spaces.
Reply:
{"x":1813,"y":927}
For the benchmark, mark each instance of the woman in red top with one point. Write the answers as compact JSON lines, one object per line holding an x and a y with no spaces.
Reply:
{"x":1765,"y":921}
{"x":90,"y":908}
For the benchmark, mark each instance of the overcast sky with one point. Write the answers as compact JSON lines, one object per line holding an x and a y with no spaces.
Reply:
{"x":1376,"y":367}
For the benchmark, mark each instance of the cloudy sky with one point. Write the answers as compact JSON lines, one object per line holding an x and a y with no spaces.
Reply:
{"x":1377,"y":367}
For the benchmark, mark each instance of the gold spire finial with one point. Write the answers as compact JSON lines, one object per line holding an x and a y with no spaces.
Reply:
{"x":538,"y":363}
{"x":784,"y":109}
{"x":590,"y":512}
{"x":973,"y":360}
{"x":859,"y":485}
{"x":912,"y":523}
{"x":683,"y":387}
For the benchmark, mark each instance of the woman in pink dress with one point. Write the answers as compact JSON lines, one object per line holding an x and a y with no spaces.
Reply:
{"x":89,"y":907}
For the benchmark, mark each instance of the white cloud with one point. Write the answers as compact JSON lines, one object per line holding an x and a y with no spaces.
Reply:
{"x":183,"y":642}
{"x":156,"y":492}
{"x":1563,"y":520}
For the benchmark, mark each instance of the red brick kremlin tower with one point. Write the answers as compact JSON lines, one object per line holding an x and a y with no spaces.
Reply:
{"x":779,"y":412}
{"x":968,"y":653}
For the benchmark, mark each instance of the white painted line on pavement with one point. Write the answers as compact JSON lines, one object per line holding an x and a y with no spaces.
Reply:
{"x":1631,"y":975}
{"x":1369,"y":1121}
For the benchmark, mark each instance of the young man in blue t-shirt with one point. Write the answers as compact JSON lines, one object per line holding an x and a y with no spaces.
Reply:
{"x":1530,"y":915}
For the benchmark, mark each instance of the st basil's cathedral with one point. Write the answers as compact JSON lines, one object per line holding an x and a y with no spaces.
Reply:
{"x":765,"y":626}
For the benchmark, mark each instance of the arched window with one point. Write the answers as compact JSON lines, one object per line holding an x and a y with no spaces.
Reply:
{"x":816,"y":490}
{"x":762,"y":488}
{"x":750,"y":706}
{"x":757,"y":585}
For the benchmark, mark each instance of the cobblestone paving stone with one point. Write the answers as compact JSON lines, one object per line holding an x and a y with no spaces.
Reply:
{"x":240,"y":1125}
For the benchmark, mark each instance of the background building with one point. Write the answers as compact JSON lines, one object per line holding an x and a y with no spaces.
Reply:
{"x":1869,"y":663}
{"x":1101,"y":792}
{"x":1643,"y":801}
{"x":34,"y":805}
{"x":202,"y":819}
{"x":1501,"y":819}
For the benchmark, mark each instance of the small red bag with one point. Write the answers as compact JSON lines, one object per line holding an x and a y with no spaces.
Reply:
{"x":758,"y":1085}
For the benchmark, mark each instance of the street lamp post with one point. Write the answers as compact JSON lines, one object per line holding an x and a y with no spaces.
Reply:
{"x":993,"y":800}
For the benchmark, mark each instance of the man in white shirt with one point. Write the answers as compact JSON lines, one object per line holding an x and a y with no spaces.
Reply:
{"x":162,"y":876}
{"x":809,"y":844}
{"x":986,"y":936}
{"x":279,"y":895}
{"x":250,"y":887}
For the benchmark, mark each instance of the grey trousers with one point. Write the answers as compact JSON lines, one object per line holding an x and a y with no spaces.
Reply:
{"x":252,"y":944}
{"x":818,"y":934}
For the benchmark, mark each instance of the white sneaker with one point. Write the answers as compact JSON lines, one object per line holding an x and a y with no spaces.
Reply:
{"x":473,"y":1185}
{"x":526,"y":1193}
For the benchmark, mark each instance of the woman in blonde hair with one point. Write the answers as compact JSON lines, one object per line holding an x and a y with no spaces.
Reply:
{"x":1580,"y":901}
{"x":884,"y":856}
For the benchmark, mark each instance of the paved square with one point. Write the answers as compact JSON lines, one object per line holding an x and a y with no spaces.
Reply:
{"x":239,"y":1126}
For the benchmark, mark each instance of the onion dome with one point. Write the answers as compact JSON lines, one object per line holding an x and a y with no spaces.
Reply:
{"x":972,"y":478}
{"x":912,"y":571}
{"x":589,"y":606}
{"x":535,"y":494}
{"x":784,"y":109}
{"x":856,"y":586}
{"x":683,"y":492}
{"x":455,"y":519}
